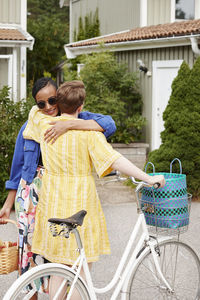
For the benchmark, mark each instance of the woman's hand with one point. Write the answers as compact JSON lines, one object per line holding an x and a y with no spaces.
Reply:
{"x":157,"y":179}
{"x":4,"y":214}
{"x":7,"y":207}
{"x":58,"y":128}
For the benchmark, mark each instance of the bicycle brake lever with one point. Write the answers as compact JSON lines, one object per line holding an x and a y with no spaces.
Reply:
{"x":108,"y":181}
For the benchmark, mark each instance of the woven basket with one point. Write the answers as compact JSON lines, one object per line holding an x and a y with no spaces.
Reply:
{"x":167,"y":207}
{"x":9,"y":255}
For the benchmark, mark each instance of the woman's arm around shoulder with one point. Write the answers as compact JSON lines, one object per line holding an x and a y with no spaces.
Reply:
{"x":104,"y":121}
{"x":86,"y":121}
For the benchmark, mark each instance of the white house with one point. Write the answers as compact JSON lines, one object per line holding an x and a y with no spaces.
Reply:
{"x":14,"y":40}
{"x":162,"y":35}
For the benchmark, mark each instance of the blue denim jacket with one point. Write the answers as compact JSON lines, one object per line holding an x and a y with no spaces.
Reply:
{"x":27,"y":152}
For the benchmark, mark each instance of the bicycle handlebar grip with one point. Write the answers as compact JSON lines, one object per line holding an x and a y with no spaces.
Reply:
{"x":156,"y":185}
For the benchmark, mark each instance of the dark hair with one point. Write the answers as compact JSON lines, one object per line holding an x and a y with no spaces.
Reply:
{"x":41,"y":83}
{"x":70,"y":96}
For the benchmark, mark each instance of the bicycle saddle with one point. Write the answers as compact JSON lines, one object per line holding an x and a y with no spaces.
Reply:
{"x":74,"y":220}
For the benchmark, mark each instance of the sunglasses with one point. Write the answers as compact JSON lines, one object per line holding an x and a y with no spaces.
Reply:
{"x":52,"y":101}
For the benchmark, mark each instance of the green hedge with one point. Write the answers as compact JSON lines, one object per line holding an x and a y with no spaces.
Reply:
{"x":12,"y":117}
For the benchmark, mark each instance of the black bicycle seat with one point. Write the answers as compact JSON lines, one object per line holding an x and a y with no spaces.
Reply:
{"x":74,"y":220}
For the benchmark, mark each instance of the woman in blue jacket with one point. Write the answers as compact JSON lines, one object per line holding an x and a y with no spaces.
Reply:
{"x":26,"y":170}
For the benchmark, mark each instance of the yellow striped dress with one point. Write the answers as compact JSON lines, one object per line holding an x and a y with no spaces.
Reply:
{"x":68,"y":186}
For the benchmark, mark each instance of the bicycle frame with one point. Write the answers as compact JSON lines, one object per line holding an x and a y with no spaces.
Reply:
{"x":142,"y":252}
{"x":120,"y":278}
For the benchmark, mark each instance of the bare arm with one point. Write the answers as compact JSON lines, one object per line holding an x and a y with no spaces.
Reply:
{"x":60,"y":127}
{"x":124,"y":166}
{"x":6,"y":209}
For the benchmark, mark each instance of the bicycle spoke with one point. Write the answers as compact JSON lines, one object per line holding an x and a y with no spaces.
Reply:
{"x":180,"y":267}
{"x":64,"y":279}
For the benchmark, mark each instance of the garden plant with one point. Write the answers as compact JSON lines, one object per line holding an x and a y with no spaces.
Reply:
{"x":111,"y":89}
{"x":12,"y":116}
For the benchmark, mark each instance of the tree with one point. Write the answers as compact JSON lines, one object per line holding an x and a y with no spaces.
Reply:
{"x":111,"y":89}
{"x":49,"y":25}
{"x":88,"y":29}
{"x":181,"y":137}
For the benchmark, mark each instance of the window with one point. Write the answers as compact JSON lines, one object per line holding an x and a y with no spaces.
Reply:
{"x":185,"y":9}
{"x":6,"y":70}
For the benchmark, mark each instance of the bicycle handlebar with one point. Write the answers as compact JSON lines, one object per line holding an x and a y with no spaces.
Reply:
{"x":139,"y":184}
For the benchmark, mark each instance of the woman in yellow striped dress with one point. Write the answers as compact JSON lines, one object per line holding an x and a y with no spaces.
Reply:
{"x":68,"y":184}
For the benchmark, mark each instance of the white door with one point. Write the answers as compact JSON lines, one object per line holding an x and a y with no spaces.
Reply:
{"x":163,"y":74}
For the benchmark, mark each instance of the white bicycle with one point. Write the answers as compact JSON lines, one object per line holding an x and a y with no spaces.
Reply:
{"x":156,"y":268}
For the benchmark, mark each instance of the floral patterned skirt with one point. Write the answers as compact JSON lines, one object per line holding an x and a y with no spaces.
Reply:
{"x":25,"y":207}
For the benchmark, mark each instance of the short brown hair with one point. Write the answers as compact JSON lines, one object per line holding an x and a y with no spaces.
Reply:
{"x":70,"y":96}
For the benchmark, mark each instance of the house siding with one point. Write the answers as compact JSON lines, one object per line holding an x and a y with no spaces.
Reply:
{"x":124,"y":14}
{"x":148,"y":56}
{"x":158,"y":12}
{"x":10,"y":11}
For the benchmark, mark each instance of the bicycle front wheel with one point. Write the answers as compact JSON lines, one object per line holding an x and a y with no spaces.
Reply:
{"x":26,"y":285}
{"x":179,"y":264}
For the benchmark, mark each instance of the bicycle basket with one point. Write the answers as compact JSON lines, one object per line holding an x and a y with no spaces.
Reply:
{"x":167,"y":207}
{"x":8,"y":255}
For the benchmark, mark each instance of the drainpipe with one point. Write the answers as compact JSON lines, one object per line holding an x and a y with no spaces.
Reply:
{"x":194,"y":44}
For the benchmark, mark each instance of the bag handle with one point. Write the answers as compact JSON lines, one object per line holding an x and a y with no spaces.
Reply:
{"x":14,"y":223}
{"x":149,"y":163}
{"x":179,"y":165}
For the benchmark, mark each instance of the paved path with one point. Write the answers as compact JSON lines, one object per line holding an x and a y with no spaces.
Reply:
{"x":120,"y":211}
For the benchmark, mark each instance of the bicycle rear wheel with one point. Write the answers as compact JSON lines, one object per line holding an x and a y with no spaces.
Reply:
{"x":22,"y":288}
{"x":180,"y":266}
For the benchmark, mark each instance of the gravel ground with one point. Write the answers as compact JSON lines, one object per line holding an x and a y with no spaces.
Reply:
{"x":120,"y":211}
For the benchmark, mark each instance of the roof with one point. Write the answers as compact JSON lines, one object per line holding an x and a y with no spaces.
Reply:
{"x":155,"y":36}
{"x":13,"y":35}
{"x":149,"y":32}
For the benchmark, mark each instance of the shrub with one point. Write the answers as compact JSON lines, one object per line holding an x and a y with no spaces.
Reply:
{"x":181,"y":137}
{"x":88,"y":29}
{"x":111,"y":89}
{"x":12,"y":117}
